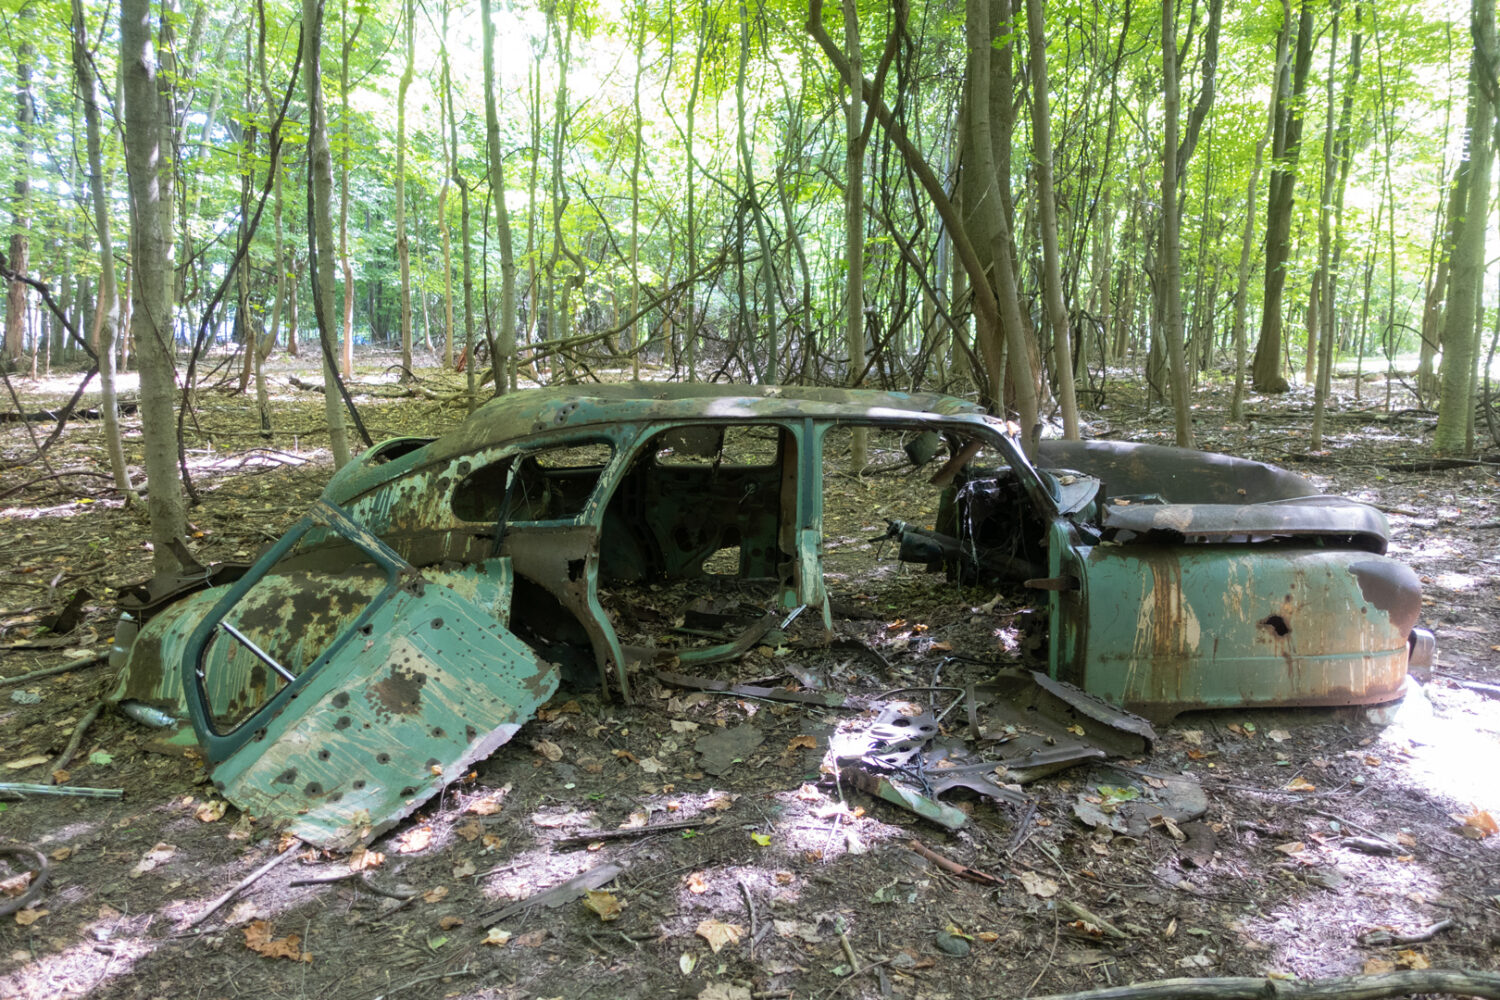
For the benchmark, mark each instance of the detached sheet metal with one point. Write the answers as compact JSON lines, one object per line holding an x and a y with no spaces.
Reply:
{"x":383,"y":726}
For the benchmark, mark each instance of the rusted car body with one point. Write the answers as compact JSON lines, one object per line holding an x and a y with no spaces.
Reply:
{"x":416,"y":618}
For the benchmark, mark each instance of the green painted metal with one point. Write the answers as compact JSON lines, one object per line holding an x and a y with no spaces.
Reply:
{"x":383,"y":726}
{"x":1165,"y":628}
{"x":355,"y":706}
{"x":370,"y":658}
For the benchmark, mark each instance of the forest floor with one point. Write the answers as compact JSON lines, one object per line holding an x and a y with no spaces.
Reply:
{"x":789,"y":882}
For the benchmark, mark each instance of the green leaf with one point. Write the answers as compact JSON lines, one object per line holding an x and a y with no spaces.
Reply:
{"x":101,"y":757}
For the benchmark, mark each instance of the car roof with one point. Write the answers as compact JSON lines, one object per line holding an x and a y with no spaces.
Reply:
{"x":533,"y":412}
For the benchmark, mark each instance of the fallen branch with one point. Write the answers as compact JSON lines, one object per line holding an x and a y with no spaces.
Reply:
{"x":361,"y":880}
{"x":218,"y":904}
{"x":1390,"y":984}
{"x":1384,"y":938}
{"x":949,"y":865}
{"x":75,"y":741}
{"x":36,"y":675}
{"x":593,"y":836}
{"x":1093,"y":918}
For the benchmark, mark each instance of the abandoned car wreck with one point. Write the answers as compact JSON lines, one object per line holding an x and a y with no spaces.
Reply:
{"x":427,"y":606}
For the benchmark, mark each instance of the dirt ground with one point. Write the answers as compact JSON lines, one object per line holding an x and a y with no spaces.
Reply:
{"x":1333,"y":843}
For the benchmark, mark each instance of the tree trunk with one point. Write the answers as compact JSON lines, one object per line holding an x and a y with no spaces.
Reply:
{"x":1454,"y":433}
{"x":20,"y":239}
{"x":108,"y":314}
{"x":1057,"y":310}
{"x":505,"y":341}
{"x":463,"y":214}
{"x":346,"y":342}
{"x":854,"y":225}
{"x":148,"y":254}
{"x":320,"y":221}
{"x":403,"y":246}
{"x":1286,"y":144}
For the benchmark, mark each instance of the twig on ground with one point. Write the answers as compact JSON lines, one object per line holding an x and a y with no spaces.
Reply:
{"x":750,"y":906}
{"x":947,"y":864}
{"x":1093,"y":918}
{"x":244,"y":883}
{"x":361,"y":880}
{"x":75,"y":741}
{"x":592,"y":836}
{"x":1383,"y":938}
{"x":36,"y":675}
{"x":1390,"y":984}
{"x":1056,"y":932}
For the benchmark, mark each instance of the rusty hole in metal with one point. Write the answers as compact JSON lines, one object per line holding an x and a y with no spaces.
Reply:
{"x":324,"y":754}
{"x":575,"y":569}
{"x":437,"y":732}
{"x":341,"y":699}
{"x":335,"y":796}
{"x":1276,"y":624}
{"x":437,"y":623}
{"x":342,"y":722}
{"x":358,"y":784}
{"x":470,"y":732}
{"x":382,"y":758}
{"x":287,"y":777}
{"x":408,"y":791}
{"x":312,"y":788}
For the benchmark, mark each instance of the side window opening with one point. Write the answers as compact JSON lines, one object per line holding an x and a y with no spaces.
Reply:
{"x":701,"y":500}
{"x":552,"y":484}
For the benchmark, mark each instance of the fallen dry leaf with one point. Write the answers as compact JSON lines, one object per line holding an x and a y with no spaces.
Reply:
{"x":531,"y":939}
{"x":651,"y":765}
{"x":492,"y":841}
{"x":450,"y":922}
{"x":548,"y":749}
{"x":1038,"y":885}
{"x":25,"y":762}
{"x":1278,"y":736}
{"x":1478,"y":820}
{"x":208,"y":812}
{"x":718,"y":934}
{"x":1378,"y":966}
{"x":802,"y":742}
{"x":362,"y":858}
{"x":259,"y":940}
{"x":418,"y":838}
{"x":606,"y":904}
{"x":683,"y":726}
{"x":1406,"y":958}
{"x":724,"y":991}
{"x":1294,"y":847}
{"x":435,"y":894}
{"x":627,"y":756}
{"x":468,"y":830}
{"x":485,"y":805}
{"x":1299,"y":784}
{"x":28,"y":917}
{"x":464,"y":869}
{"x":61,"y":854}
{"x":496,"y":936}
{"x":157,"y":856}
{"x":697,"y":883}
{"x":16,"y":885}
